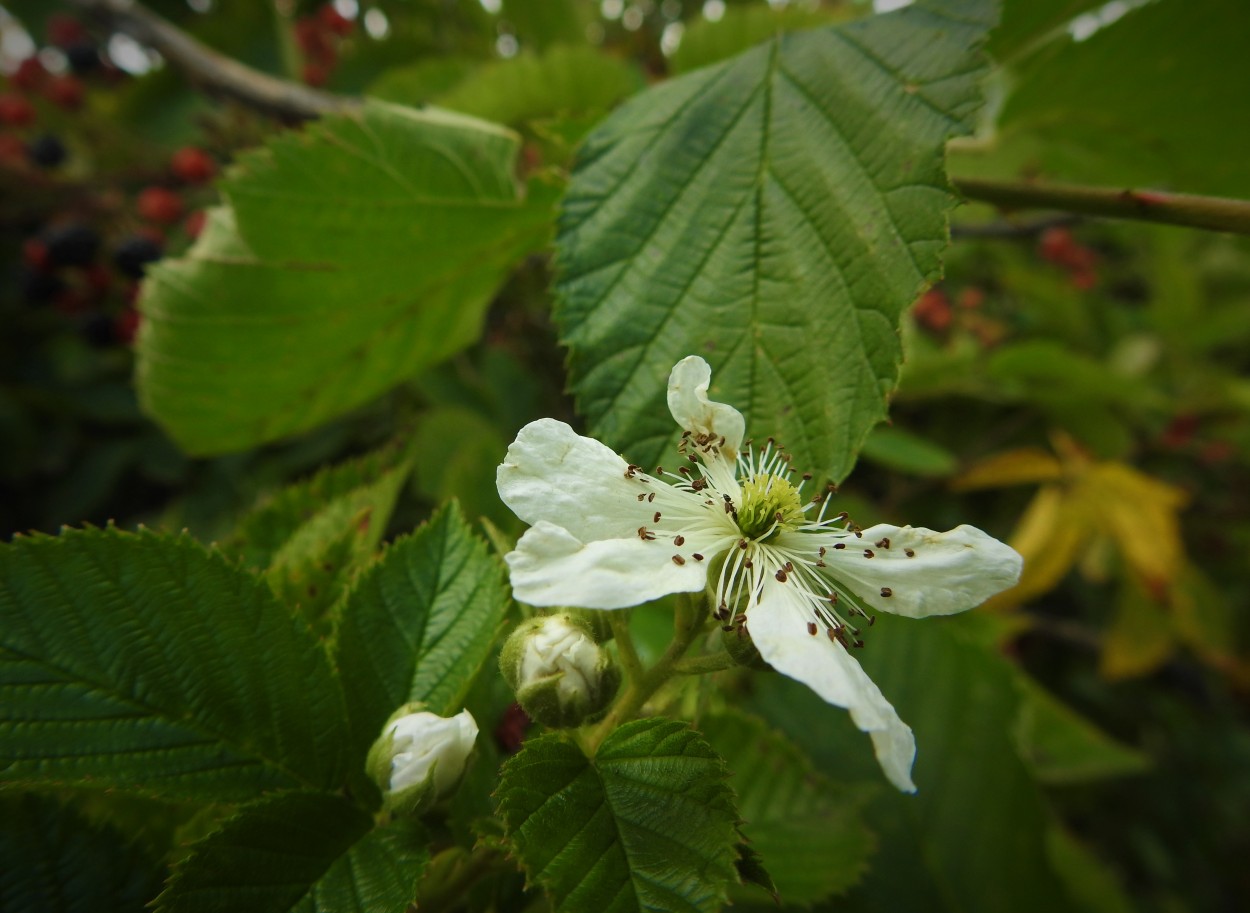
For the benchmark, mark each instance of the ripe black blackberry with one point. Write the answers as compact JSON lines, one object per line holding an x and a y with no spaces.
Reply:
{"x":72,"y":245}
{"x":134,"y":253}
{"x":46,"y":151}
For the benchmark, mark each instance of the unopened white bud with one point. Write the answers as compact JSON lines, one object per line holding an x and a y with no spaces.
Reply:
{"x":421,"y":756}
{"x":560,"y":675}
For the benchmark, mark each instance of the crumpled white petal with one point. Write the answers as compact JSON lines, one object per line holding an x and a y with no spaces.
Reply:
{"x":553,"y":473}
{"x":688,"y":402}
{"x":778,"y":627}
{"x":950,"y":572}
{"x":552,"y":567}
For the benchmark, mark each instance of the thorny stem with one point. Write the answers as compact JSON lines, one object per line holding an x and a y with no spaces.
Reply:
{"x":1215,"y":213}
{"x":690,"y":621}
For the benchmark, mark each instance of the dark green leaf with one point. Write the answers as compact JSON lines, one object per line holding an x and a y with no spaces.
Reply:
{"x":1135,"y":103}
{"x":145,"y":663}
{"x":303,"y":853}
{"x":419,"y":624}
{"x":52,"y":861}
{"x":352,"y":255}
{"x":1060,"y":746}
{"x":647,"y":824}
{"x":973,"y":838}
{"x":806,"y":829}
{"x":900,"y":449}
{"x":775,"y":213}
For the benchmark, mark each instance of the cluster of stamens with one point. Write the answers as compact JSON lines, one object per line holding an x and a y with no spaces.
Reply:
{"x":744,"y":508}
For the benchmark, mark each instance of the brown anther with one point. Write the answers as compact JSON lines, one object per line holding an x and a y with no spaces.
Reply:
{"x":909,"y":553}
{"x":726,"y":628}
{"x":678,"y":560}
{"x":839,"y":545}
{"x":867,"y":553}
{"x":698,"y":484}
{"x":833,"y":598}
{"x":820,"y":563}
{"x":807,"y":477}
{"x":834,"y":634}
{"x":659,"y":470}
{"x":872,"y":620}
{"x":684,"y":470}
{"x":656,"y":517}
{"x":692,"y":458}
{"x":858,"y":645}
{"x":858,"y":534}
{"x":781,"y":575}
{"x":651,"y":497}
{"x":642,"y":497}
{"x":685,"y":434}
{"x":740,"y":619}
{"x":821,"y":552}
{"x":883,"y":543}
{"x":644,"y":534}
{"x":697,"y":557}
{"x":748,"y":563}
{"x":789,"y":567}
{"x":742,"y":543}
{"x":679,"y":540}
{"x":811,"y":628}
{"x":886,"y":591}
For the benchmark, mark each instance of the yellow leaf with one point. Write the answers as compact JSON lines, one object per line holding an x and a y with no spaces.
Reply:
{"x":1140,"y":638}
{"x":1014,"y":467}
{"x":1047,"y":537}
{"x":1139,"y":513}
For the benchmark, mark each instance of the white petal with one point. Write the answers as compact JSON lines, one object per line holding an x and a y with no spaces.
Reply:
{"x":688,"y":402}
{"x":552,"y":567}
{"x":778,"y":626}
{"x":949,"y":572}
{"x":553,"y":473}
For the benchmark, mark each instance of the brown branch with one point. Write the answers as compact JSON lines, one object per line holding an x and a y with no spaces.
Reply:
{"x":215,"y":73}
{"x":1215,"y":213}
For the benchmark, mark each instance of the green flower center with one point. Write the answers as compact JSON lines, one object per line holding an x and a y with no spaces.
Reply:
{"x":769,"y":504}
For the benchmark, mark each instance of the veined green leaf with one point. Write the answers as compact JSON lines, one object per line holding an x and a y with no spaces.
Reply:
{"x":806,"y":829}
{"x":418,"y":624}
{"x":303,"y":853}
{"x":145,"y":663}
{"x":647,"y":824}
{"x":775,"y":213}
{"x":55,"y":862}
{"x":350,"y":257}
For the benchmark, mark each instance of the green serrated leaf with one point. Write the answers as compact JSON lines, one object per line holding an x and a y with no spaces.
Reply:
{"x":807,"y":830}
{"x":352,"y":255}
{"x":776,"y":214}
{"x":145,"y":663}
{"x":315,"y":565}
{"x":53,"y":861}
{"x":418,"y":624}
{"x":647,"y":824}
{"x":266,"y":529}
{"x":300,"y":852}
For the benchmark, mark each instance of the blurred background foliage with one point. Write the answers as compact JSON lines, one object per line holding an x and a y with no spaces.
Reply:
{"x":1076,"y":387}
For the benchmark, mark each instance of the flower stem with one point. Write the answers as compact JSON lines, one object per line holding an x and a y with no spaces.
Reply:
{"x":702,"y":665}
{"x":689,"y":622}
{"x":630,"y":664}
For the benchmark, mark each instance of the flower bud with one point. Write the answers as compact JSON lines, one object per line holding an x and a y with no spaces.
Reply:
{"x":420,"y":757}
{"x":561,"y":676}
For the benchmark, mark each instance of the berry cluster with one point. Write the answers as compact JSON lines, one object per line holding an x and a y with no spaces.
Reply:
{"x":1057,"y":246}
{"x":33,"y":85}
{"x":62,"y":266}
{"x":318,"y":37}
